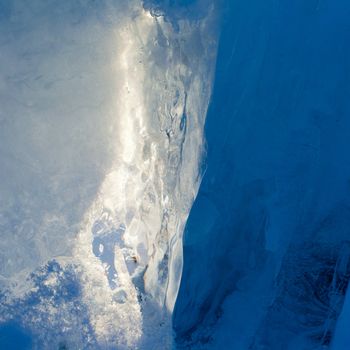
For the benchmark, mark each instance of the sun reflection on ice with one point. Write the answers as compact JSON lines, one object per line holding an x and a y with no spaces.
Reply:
{"x":130,"y":248}
{"x":113,"y":247}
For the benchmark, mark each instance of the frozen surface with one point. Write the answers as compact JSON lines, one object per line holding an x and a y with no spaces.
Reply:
{"x":103,"y":108}
{"x":102,"y":114}
{"x":267,"y":243}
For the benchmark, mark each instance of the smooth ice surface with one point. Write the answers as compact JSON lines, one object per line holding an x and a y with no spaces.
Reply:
{"x":267,"y":242}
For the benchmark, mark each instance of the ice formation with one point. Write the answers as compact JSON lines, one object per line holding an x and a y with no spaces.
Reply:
{"x":266,"y":248}
{"x":108,"y":201}
{"x":108,"y":108}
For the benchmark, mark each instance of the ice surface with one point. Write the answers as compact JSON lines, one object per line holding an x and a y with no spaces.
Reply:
{"x":102,"y":114}
{"x":266,"y":247}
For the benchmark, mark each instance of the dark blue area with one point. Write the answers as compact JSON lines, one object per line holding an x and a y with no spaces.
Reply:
{"x":13,"y":337}
{"x":275,"y":194}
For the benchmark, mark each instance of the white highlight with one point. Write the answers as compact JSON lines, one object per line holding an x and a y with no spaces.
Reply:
{"x":127,"y":251}
{"x":164,"y":81}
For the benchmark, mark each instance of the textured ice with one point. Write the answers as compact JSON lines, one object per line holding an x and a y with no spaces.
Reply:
{"x":106,"y":111}
{"x":266,"y":249}
{"x":102,"y":114}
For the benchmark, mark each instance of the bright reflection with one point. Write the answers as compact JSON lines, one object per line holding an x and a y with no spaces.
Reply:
{"x":131,"y":246}
{"x":113,"y":246}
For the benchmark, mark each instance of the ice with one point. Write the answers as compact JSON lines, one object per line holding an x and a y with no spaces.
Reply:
{"x":102,"y":118}
{"x":133,"y":158}
{"x":266,"y":260}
